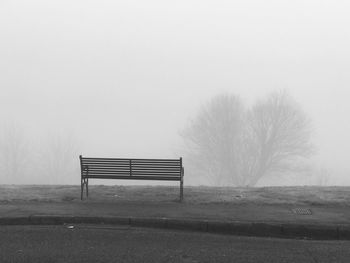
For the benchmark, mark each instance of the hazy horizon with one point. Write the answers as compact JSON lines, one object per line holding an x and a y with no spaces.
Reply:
{"x":125,"y":77}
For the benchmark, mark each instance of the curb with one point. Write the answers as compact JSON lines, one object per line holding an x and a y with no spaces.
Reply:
{"x":281,"y":230}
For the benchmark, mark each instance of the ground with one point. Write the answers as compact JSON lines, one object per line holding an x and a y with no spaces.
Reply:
{"x":266,"y":195}
{"x":267,"y":204}
{"x":103,"y":243}
{"x":89,"y":243}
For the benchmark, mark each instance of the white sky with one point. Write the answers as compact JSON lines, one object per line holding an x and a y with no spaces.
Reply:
{"x":127,"y":75}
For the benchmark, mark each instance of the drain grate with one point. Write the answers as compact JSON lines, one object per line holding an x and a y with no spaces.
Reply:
{"x":302,"y":211}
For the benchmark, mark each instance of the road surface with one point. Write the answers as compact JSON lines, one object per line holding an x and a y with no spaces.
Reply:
{"x":96,"y":243}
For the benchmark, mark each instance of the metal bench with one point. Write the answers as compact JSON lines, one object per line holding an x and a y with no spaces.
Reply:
{"x":130,"y":169}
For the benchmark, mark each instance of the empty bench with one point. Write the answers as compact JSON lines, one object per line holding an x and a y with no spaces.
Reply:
{"x":130,"y":169}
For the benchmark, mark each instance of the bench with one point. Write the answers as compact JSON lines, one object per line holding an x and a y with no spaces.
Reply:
{"x":130,"y":169}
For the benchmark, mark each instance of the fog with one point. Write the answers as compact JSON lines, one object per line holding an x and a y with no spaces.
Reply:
{"x":122,"y":78}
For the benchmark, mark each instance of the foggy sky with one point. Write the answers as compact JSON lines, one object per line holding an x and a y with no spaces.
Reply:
{"x":125,"y":76}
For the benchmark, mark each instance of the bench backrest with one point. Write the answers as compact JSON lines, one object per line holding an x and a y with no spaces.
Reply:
{"x":140,"y":169}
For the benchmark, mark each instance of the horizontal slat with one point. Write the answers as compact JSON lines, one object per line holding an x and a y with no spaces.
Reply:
{"x":133,"y":174}
{"x":155,"y":165}
{"x":153,"y":162}
{"x":156,"y":178}
{"x":177,"y":170}
{"x":127,"y":174}
{"x":165,"y":168}
{"x":127,"y":159}
{"x":156,"y":170}
{"x":156,"y":160}
{"x":115,"y":168}
{"x":106,"y":175}
{"x":155,"y":173}
{"x":132,"y":163}
{"x":108,"y":172}
{"x":133,"y":168}
{"x":105,"y":162}
{"x":114,"y":161}
{"x":107,"y":159}
{"x":106,"y":166}
{"x":138,"y":174}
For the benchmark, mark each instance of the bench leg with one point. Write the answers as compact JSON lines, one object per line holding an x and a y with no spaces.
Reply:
{"x":87,"y":188}
{"x":182,"y":184}
{"x":82,"y":189}
{"x":181,"y":190}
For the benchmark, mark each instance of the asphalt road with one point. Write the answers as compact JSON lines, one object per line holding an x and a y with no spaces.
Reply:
{"x":89,"y":243}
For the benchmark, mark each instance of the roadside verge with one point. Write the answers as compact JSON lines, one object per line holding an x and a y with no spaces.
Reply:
{"x":261,"y":229}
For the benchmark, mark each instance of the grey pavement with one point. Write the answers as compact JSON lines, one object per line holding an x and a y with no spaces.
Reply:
{"x":240,"y":219}
{"x":91,"y":243}
{"x":247,"y":212}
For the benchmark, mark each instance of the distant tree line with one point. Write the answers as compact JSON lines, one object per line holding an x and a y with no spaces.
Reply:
{"x":227,"y":143}
{"x":50,"y":159}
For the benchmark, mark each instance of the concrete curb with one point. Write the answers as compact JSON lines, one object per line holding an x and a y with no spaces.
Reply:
{"x":281,"y":230}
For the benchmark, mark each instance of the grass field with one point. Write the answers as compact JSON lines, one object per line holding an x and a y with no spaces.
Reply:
{"x":308,"y":195}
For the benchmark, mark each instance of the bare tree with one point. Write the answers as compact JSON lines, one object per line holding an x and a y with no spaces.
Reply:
{"x":280,"y":133}
{"x":58,"y":158}
{"x":229,"y":144}
{"x":212,"y":140}
{"x":13,"y":154}
{"x":321,"y":175}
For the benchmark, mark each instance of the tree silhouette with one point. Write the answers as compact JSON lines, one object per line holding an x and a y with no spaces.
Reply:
{"x":58,"y":158}
{"x":229,"y":144}
{"x":212,"y":140}
{"x":13,"y":153}
{"x":280,"y":134}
